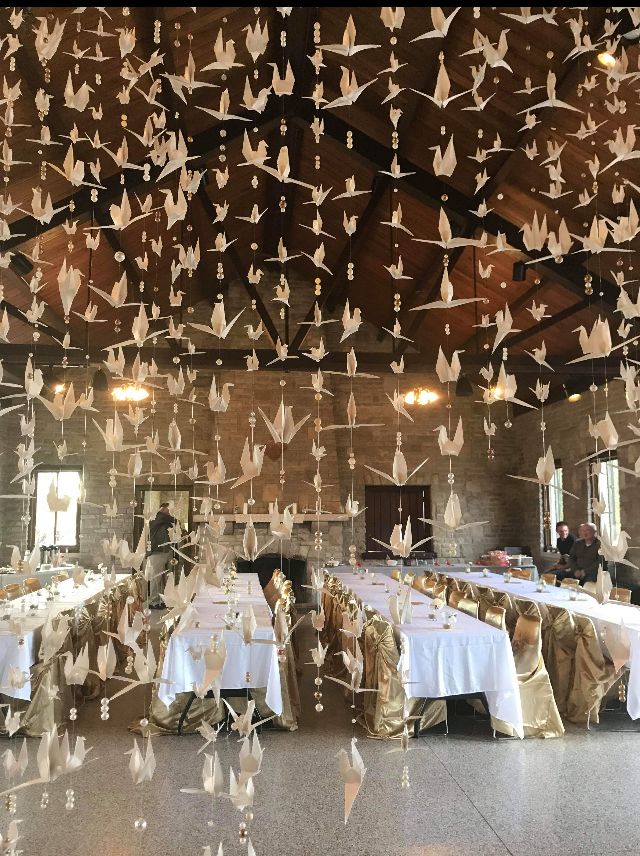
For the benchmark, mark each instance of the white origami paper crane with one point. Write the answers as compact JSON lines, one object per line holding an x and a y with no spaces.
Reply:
{"x":595,"y":344}
{"x":283,"y":429}
{"x":452,"y":517}
{"x":250,"y":463}
{"x":142,"y":767}
{"x":545,"y":472}
{"x":212,"y":777}
{"x":348,"y":46}
{"x":615,"y":551}
{"x":250,"y":549}
{"x":399,"y":474}
{"x":453,"y":445}
{"x":352,"y":774}
{"x":401,"y":545}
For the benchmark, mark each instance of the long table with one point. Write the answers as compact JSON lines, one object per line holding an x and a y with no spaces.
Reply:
{"x":612,"y":613}
{"x":250,"y":666}
{"x":21,"y":627}
{"x":472,"y":657}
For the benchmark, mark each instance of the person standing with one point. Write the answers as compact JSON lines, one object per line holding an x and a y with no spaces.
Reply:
{"x":159,"y":555}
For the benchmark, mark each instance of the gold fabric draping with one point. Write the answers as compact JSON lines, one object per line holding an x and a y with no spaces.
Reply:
{"x":47,"y":709}
{"x":540,"y":716}
{"x":511,"y":616}
{"x":561,"y":649}
{"x":486,"y":599}
{"x":592,"y":674}
{"x":385,"y":713}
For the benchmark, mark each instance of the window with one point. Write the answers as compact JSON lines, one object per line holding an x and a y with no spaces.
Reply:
{"x":552,"y":500}
{"x":60,"y":527}
{"x":604,"y":483}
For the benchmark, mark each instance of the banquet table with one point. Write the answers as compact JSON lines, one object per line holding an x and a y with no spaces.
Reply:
{"x":428,"y":567}
{"x":8,"y":575}
{"x":472,"y":657}
{"x":181,"y":671}
{"x":21,"y":627}
{"x":612,"y":613}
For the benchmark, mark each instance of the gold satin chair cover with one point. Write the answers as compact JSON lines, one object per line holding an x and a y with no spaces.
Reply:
{"x":560,"y":654}
{"x":520,"y":573}
{"x":593,"y":675}
{"x":620,"y":594}
{"x":495,"y":616}
{"x":454,"y":598}
{"x":385,"y":713}
{"x":569,"y":583}
{"x":549,"y":578}
{"x":468,"y":606}
{"x":503,"y":599}
{"x":395,"y":575}
{"x":486,"y":599}
{"x":540,"y":714}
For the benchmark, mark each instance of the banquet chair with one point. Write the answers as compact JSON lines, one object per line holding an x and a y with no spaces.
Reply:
{"x":549,"y":578}
{"x":59,"y":578}
{"x":561,"y":642}
{"x":570,"y":583}
{"x":395,"y":575}
{"x":621,"y":594}
{"x":468,"y":606}
{"x":540,"y":714}
{"x":454,"y":599}
{"x":521,"y":573}
{"x":385,"y":711}
{"x":593,"y":675}
{"x":32,"y":584}
{"x":486,"y":598}
{"x":495,"y":616}
{"x":409,"y":578}
{"x":13,"y":591}
{"x":440,"y":591}
{"x":3,"y":595}
{"x":429,"y":586}
{"x":511,"y":616}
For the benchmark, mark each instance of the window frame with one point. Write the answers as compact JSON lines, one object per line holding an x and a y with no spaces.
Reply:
{"x":593,"y":485}
{"x":57,"y":469}
{"x":548,"y":542}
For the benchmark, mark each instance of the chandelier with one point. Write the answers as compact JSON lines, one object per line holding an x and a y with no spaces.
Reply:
{"x":130,"y":392}
{"x":420,"y":395}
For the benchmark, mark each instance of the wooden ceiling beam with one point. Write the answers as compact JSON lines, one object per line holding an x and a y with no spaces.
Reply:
{"x":523,"y":335}
{"x":332,"y":293}
{"x":235,"y":358}
{"x":430,"y":189}
{"x":233,"y":257}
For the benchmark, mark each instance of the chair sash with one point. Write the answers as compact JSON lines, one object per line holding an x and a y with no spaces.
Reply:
{"x":592,"y":675}
{"x":540,"y":714}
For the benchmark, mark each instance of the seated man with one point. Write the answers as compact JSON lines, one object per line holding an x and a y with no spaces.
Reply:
{"x":564,"y":543}
{"x":584,"y":560}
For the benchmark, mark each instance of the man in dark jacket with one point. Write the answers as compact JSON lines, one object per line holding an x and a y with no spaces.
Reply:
{"x":159,"y":555}
{"x":584,"y":559}
{"x":564,"y":543}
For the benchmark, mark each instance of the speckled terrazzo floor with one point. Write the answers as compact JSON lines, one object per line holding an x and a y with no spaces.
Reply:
{"x":469,"y":796}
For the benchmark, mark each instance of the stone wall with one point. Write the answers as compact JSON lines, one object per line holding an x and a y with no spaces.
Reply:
{"x":479,"y":482}
{"x":567,"y":432}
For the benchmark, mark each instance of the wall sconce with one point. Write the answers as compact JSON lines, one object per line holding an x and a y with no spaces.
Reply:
{"x":420,"y":396}
{"x":130,"y":392}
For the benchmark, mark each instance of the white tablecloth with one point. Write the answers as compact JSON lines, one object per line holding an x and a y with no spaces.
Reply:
{"x":259,"y":661}
{"x":472,"y":657}
{"x":602,"y":614}
{"x":45,"y":577}
{"x":19,"y":646}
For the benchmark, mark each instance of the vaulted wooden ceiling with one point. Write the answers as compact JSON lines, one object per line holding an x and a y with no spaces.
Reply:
{"x":513,"y":191}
